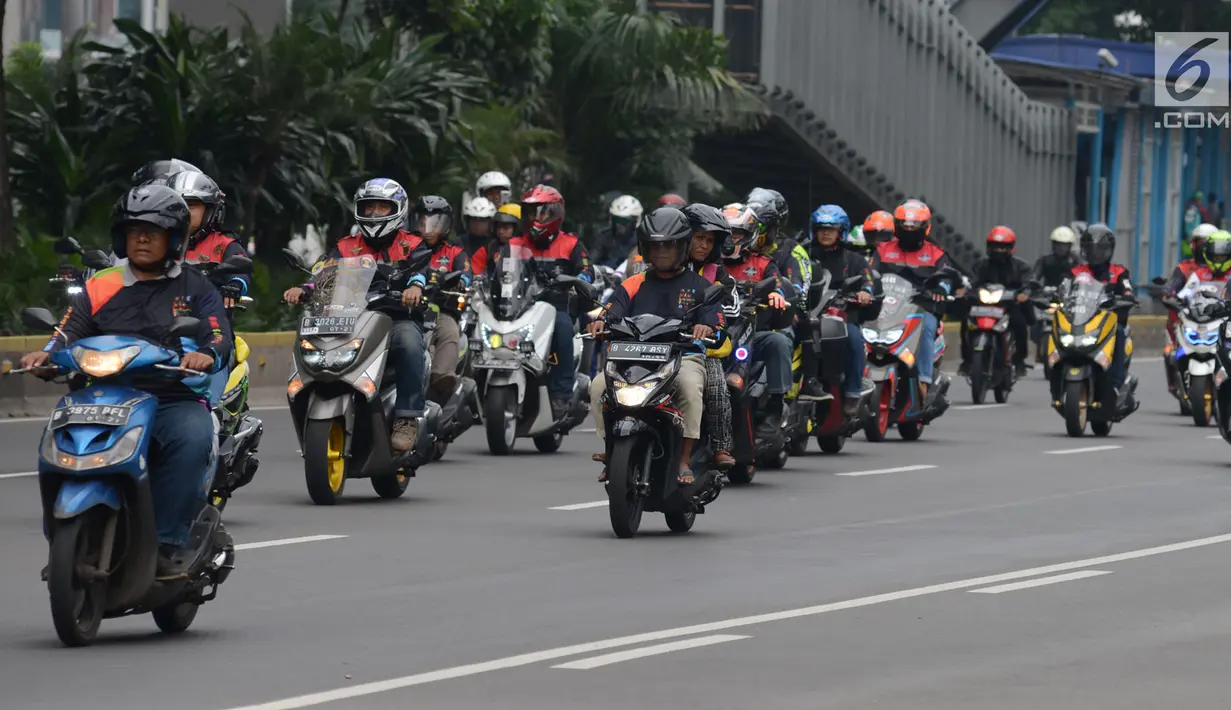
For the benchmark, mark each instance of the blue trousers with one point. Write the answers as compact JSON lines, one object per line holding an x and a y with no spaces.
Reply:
{"x":774,"y":349}
{"x":560,"y":379}
{"x":406,"y":352}
{"x":856,"y":358}
{"x":1118,"y":370}
{"x":182,"y":438}
{"x":927,"y":347}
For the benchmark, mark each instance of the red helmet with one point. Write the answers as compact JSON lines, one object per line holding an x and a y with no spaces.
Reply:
{"x":672,"y":200}
{"x":1001,"y":240}
{"x":912,"y":223}
{"x":542,"y":212}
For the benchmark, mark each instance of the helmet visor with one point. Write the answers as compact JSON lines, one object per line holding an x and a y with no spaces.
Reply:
{"x":434,"y":226}
{"x":375,"y":209}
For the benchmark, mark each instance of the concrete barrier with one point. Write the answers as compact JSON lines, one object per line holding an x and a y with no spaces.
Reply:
{"x":270,"y":361}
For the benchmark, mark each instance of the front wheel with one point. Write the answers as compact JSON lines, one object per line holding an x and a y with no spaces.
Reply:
{"x":324,"y":466}
{"x":1100,"y":428}
{"x":681,"y":521}
{"x":176,"y":618}
{"x":910,"y":431}
{"x":1076,"y":402}
{"x":1201,"y":399}
{"x":831,"y":444}
{"x":549,"y":443}
{"x":741,"y":474}
{"x":775,"y":460}
{"x":877,"y":424}
{"x":77,"y":605}
{"x":390,"y":486}
{"x":979,"y":374}
{"x":500,"y":419}
{"x":630,"y":461}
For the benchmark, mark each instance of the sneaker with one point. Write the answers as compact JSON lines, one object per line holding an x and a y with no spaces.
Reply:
{"x":1020,"y":369}
{"x":813,"y":391}
{"x":559,"y":407}
{"x":405,"y":431}
{"x":850,"y":407}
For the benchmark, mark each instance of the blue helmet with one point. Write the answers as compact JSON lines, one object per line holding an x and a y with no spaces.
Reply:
{"x":832,"y":216}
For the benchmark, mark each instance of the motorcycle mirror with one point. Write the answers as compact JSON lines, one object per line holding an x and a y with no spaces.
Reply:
{"x":183,"y":327}
{"x":294,"y":260}
{"x":583,"y":289}
{"x":67,"y":245}
{"x":714,"y":293}
{"x":96,"y":259}
{"x":451,"y":278}
{"x":38,"y":319}
{"x":235,"y":264}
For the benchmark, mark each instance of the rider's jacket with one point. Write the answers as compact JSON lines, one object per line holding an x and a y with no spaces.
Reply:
{"x":215,"y":248}
{"x":564,"y":255}
{"x":891,"y":252}
{"x":1106,"y":274}
{"x":712,"y":272}
{"x":406,"y":251}
{"x":115,"y":302}
{"x":1013,"y":273}
{"x":647,"y":292}
{"x":1052,"y":270}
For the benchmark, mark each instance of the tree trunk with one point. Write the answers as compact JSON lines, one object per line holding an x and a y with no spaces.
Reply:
{"x":7,"y":236}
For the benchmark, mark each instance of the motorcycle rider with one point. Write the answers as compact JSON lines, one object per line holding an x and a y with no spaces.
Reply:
{"x":380,"y":209}
{"x":709,"y":231}
{"x":668,"y":289}
{"x":877,"y":228}
{"x":162,"y":168}
{"x":149,"y":228}
{"x":1188,"y":267}
{"x":1001,"y":267}
{"x":672,"y":200}
{"x":856,"y":242}
{"x":830,"y":224}
{"x":1098,"y":245}
{"x":912,"y":223}
{"x":207,"y":243}
{"x":557,"y":252}
{"x":433,"y":219}
{"x":478,"y":213}
{"x":741,"y":258}
{"x":507,"y":222}
{"x":495,"y":186}
{"x":623,"y":218}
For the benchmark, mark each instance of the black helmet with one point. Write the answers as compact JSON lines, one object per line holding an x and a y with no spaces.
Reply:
{"x":433,"y":217}
{"x":1098,"y":244}
{"x":162,"y":168}
{"x":774,"y":199}
{"x":200,"y":187}
{"x":154,"y":204}
{"x":703,"y":218}
{"x":665,"y":225}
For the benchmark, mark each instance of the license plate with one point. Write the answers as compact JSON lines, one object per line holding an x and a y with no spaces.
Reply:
{"x":104,"y":414}
{"x":657,"y":352}
{"x":986,"y":311}
{"x":327,"y":325}
{"x":489,"y":362}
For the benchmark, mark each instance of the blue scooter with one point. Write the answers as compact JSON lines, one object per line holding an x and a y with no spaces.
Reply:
{"x":98,"y":509}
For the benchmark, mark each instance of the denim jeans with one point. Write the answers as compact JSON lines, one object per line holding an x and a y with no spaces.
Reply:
{"x":856,"y":358}
{"x":406,"y":350}
{"x":774,"y":349}
{"x":1118,"y":370}
{"x":927,"y":347}
{"x":560,"y":380}
{"x":182,"y":441}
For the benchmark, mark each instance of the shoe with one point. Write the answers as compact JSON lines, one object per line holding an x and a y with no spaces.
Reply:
{"x":850,"y":407}
{"x":405,"y":431}
{"x":723,"y":460}
{"x":963,"y":370}
{"x":813,"y":391}
{"x":164,"y":565}
{"x":559,"y":407}
{"x":1020,"y":369}
{"x":442,"y":388}
{"x":770,"y":426}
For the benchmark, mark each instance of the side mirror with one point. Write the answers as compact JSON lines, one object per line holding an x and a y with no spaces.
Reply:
{"x":583,"y":289}
{"x":714,"y":293}
{"x":39,"y":319}
{"x":295,"y":260}
{"x":67,"y":245}
{"x":96,"y":259}
{"x":183,"y":327}
{"x":234,"y":265}
{"x":451,"y":278}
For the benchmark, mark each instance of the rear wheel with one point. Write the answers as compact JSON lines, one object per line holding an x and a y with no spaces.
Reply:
{"x":830,"y":444}
{"x":176,"y":618}
{"x":630,"y":459}
{"x":910,"y":431}
{"x":1201,"y":398}
{"x":799,"y":444}
{"x":500,"y":419}
{"x":1076,"y":403}
{"x":775,"y":460}
{"x":390,"y":486}
{"x":77,"y":605}
{"x":324,"y":466}
{"x":877,"y":424}
{"x":1100,"y":428}
{"x":741,"y":474}
{"x":681,"y":521}
{"x":439,"y":449}
{"x":549,"y":443}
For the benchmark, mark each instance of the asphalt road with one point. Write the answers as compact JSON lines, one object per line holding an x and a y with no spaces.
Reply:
{"x":917,"y":587}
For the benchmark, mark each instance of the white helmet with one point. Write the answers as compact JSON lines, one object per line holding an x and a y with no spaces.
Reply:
{"x":479,"y":208}
{"x":1203,"y":231}
{"x":1063,"y":235}
{"x":493,"y":180}
{"x":628,"y":207}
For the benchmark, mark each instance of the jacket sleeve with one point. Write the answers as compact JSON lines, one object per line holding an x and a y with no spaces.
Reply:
{"x":1175,"y":283}
{"x":1125,"y":283}
{"x":418,"y":261}
{"x":856,"y":264}
{"x":76,"y":324}
{"x":214,"y":332}
{"x":237,"y":249}
{"x":580,"y":260}
{"x":618,"y":306}
{"x":461,"y":262}
{"x":1039,"y":270}
{"x":478,"y":261}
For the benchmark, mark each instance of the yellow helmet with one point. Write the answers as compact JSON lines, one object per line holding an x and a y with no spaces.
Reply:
{"x":509,"y":213}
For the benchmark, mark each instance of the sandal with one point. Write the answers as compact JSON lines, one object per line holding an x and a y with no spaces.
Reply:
{"x":601,"y":458}
{"x":686,"y":478}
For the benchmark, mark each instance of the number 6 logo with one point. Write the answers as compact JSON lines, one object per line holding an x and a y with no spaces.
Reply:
{"x":1186,"y":61}
{"x":1190,"y":69}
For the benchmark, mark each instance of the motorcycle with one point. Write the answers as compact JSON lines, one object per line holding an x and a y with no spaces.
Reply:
{"x":1080,"y":355}
{"x":98,"y":509}
{"x":1222,"y":383}
{"x":644,"y":432}
{"x":1195,"y":359}
{"x":511,"y":356}
{"x":341,"y":390}
{"x":892,"y":341}
{"x":72,"y":278}
{"x":747,"y":383}
{"x":992,"y":346}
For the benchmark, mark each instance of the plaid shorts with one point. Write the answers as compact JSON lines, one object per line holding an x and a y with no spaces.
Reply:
{"x":717,"y":406}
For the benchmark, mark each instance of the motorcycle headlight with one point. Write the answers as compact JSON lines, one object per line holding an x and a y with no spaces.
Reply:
{"x":513,"y":340}
{"x":312,"y":357}
{"x":342,"y":356}
{"x":1066,"y":340}
{"x":870,"y":335}
{"x":73,"y":290}
{"x":992,"y":297}
{"x":1087,"y":340}
{"x":121,"y":452}
{"x":635,"y":395}
{"x":104,"y":363}
{"x":892,"y":336}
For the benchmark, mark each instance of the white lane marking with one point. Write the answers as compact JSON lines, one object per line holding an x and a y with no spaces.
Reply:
{"x":879,"y":471}
{"x":19,"y":420}
{"x":23,"y":474}
{"x":526,"y":659}
{"x":1040,"y":582}
{"x":1214,"y":436}
{"x":591,"y":430}
{"x":1086,"y":450}
{"x":968,"y":407}
{"x":586,"y":664}
{"x":287,"y":541}
{"x":581,"y":506}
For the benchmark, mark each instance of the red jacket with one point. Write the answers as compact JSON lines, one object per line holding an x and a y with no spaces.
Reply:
{"x":214,"y":248}
{"x":753,"y":267}
{"x":891,"y":252}
{"x":404,"y":244}
{"x":450,"y":257}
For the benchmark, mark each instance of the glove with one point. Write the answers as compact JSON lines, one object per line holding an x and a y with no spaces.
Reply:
{"x":233,"y":290}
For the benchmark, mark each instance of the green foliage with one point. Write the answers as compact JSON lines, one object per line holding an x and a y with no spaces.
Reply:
{"x":1097,"y":18}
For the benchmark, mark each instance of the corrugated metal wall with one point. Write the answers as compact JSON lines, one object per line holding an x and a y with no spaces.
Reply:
{"x":906,"y":93}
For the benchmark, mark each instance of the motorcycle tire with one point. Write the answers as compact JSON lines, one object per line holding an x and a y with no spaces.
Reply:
{"x":980,"y":372}
{"x":390,"y":487}
{"x":1076,"y":403}
{"x":830,"y":444}
{"x":500,"y":420}
{"x":741,"y":474}
{"x":175,"y":618}
{"x":77,"y":606}
{"x":324,"y":480}
{"x":629,"y":457}
{"x":548,"y":443}
{"x":1201,"y":399}
{"x":877,"y":424}
{"x":910,"y":431}
{"x":681,"y":521}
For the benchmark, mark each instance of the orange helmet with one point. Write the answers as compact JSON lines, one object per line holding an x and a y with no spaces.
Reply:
{"x":912,"y":222}
{"x":878,"y":227}
{"x":1001,"y":242}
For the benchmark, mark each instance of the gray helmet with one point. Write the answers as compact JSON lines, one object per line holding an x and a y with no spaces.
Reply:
{"x":379,"y":231}
{"x":158,"y":205}
{"x":201,"y":187}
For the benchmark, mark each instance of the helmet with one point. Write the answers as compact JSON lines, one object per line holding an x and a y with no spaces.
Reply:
{"x":378,"y":230}
{"x":154,"y":204}
{"x":1098,"y":244}
{"x":912,"y":222}
{"x":665,"y":225}
{"x":479,"y":208}
{"x":543,"y":209}
{"x":494,"y":180}
{"x":878,"y":227}
{"x":1217,"y":252}
{"x":766,"y":224}
{"x":855,"y":240}
{"x":162,"y":168}
{"x":671,"y":200}
{"x":743,"y":224}
{"x":1063,"y":235}
{"x":200,"y":187}
{"x":508,"y":214}
{"x":1001,"y":242}
{"x":703,"y":218}
{"x":772,"y":198}
{"x":832,"y":217}
{"x":433,"y":218}
{"x":625,"y":212}
{"x":1078,"y":227}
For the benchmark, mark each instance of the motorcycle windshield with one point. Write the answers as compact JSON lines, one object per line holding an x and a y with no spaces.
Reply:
{"x":1082,"y":301}
{"x":512,"y":287}
{"x":897,"y":305}
{"x":339,"y":297}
